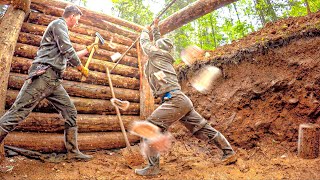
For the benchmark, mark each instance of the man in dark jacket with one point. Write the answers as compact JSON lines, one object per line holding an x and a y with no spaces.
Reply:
{"x":44,"y":81}
{"x":176,"y":106}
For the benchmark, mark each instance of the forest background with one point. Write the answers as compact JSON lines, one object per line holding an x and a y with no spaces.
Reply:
{"x":215,"y":29}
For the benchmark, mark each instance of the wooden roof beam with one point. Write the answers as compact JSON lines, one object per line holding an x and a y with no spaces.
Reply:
{"x":190,"y":13}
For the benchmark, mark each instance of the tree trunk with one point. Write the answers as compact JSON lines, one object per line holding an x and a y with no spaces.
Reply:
{"x":83,"y":105}
{"x":308,"y":142}
{"x":53,"y":122}
{"x":213,"y":32}
{"x":53,"y":142}
{"x":92,"y":15}
{"x":271,"y":10}
{"x":307,"y":5}
{"x":84,"y":90}
{"x":190,"y":13}
{"x":9,"y":30}
{"x":260,"y":12}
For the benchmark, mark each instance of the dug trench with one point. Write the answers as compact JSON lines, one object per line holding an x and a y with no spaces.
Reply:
{"x":269,"y":88}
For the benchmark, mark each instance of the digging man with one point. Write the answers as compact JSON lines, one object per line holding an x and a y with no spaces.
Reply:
{"x":176,"y":106}
{"x":44,"y":81}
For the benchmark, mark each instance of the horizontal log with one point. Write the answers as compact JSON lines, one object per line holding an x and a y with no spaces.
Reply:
{"x":22,"y":65}
{"x":53,"y":122}
{"x":77,"y":89}
{"x":30,"y":52}
{"x":92,"y":15}
{"x":190,"y":13}
{"x":54,"y":142}
{"x":123,"y":70}
{"x":72,"y":74}
{"x":89,"y":27}
{"x":5,"y":2}
{"x":76,"y":37}
{"x":83,"y":105}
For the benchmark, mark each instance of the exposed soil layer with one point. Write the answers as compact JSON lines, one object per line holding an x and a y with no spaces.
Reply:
{"x":271,"y":85}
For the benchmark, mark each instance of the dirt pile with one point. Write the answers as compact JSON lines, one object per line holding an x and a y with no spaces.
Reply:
{"x":270,"y":87}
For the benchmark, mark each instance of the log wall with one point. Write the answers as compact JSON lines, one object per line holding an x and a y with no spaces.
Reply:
{"x":98,"y":125}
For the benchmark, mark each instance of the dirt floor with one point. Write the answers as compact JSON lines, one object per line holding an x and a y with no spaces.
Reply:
{"x":258,"y":106}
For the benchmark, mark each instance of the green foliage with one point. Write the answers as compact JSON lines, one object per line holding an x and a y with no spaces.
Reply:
{"x":218,"y":27}
{"x":133,"y":10}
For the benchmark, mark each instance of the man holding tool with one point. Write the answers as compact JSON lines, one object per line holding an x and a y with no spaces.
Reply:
{"x":44,"y":81}
{"x":176,"y":106}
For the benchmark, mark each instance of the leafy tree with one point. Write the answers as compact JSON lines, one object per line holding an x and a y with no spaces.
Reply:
{"x":133,"y":10}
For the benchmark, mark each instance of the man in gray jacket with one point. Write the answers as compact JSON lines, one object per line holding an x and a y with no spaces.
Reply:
{"x":44,"y":81}
{"x":176,"y":106}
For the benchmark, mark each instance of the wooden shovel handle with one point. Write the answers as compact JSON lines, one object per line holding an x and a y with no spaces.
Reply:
{"x":118,"y":112}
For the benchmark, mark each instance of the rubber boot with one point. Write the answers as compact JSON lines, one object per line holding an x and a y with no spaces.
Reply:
{"x":71,"y":143}
{"x":229,"y":156}
{"x":153,"y":167}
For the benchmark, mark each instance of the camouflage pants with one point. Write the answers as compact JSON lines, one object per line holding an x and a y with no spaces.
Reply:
{"x":180,"y":108}
{"x":46,"y":86}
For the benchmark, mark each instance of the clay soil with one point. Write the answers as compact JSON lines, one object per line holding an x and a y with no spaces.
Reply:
{"x":258,"y":106}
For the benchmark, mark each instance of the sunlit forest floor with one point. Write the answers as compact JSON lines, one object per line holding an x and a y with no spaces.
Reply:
{"x":258,"y":107}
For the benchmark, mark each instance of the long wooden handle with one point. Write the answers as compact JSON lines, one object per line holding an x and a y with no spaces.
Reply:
{"x":83,"y":78}
{"x":118,"y":112}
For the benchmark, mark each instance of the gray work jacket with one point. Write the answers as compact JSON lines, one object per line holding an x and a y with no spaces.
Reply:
{"x":158,"y":60}
{"x":56,"y":48}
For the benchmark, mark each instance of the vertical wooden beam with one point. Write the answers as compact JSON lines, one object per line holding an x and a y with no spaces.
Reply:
{"x":9,"y":31}
{"x":146,"y":97}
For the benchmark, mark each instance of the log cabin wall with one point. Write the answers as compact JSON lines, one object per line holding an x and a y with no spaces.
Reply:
{"x":97,"y":121}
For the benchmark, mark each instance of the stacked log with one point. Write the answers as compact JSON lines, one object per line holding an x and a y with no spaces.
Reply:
{"x":53,"y":142}
{"x":98,"y":125}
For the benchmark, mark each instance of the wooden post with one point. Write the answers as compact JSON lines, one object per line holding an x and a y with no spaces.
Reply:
{"x":9,"y":31}
{"x":146,"y":97}
{"x":308,"y":142}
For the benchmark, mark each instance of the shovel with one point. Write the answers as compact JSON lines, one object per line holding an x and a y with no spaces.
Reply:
{"x":132,"y":156}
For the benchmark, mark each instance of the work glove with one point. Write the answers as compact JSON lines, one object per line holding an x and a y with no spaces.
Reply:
{"x":84,"y":71}
{"x":93,"y":45}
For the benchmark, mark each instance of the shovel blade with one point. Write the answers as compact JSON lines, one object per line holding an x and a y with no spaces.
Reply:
{"x":124,"y":105}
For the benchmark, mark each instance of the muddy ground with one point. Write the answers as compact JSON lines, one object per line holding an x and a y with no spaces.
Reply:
{"x":258,"y":106}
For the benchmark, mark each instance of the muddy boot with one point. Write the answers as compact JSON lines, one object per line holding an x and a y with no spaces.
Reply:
{"x":229,"y":156}
{"x":71,"y":143}
{"x":153,"y":167}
